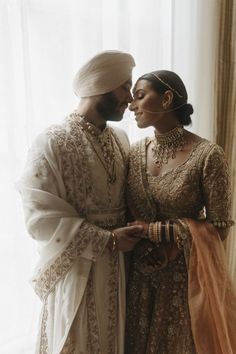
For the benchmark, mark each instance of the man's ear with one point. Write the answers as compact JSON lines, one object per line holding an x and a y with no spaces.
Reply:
{"x":167,"y":99}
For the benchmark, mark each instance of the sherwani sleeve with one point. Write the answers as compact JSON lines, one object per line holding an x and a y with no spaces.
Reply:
{"x":50,"y":219}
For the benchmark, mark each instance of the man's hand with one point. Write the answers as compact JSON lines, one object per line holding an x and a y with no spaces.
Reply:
{"x":127,"y":237}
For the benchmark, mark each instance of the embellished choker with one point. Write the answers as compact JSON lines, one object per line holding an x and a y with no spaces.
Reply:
{"x":166,"y":145}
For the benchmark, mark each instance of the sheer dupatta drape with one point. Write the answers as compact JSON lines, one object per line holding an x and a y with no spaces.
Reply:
{"x":211,"y":295}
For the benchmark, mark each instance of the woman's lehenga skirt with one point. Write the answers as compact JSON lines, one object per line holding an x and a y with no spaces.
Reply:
{"x":158,"y":319}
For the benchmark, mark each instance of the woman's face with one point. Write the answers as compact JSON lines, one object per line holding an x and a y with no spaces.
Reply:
{"x":147,"y":104}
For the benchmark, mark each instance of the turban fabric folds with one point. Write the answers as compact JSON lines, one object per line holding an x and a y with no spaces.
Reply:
{"x":103,"y":73}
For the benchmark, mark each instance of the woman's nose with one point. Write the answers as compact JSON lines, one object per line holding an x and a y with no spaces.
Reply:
{"x":131,"y":106}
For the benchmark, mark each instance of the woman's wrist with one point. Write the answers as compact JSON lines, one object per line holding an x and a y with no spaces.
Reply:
{"x":161,"y":232}
{"x":168,"y":231}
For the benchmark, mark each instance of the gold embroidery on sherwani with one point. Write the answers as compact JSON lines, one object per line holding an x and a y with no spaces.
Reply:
{"x":93,"y":345}
{"x":77,"y":193}
{"x":47,"y":280}
{"x":84,"y":186}
{"x":161,"y":325}
{"x":113,"y":303}
{"x":74,"y":149}
{"x":102,"y":144}
{"x":43,"y":335}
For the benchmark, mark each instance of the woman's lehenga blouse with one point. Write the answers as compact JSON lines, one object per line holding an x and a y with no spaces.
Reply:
{"x":158,"y":316}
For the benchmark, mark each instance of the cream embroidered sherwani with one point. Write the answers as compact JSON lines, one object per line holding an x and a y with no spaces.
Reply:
{"x":69,"y":207}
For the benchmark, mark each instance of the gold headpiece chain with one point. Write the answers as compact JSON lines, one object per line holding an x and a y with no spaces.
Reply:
{"x":165,"y":83}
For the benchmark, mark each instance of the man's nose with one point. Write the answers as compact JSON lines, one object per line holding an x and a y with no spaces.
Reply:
{"x":129,"y":98}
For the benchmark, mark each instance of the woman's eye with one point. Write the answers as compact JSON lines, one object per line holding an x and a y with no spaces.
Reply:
{"x":138,"y":95}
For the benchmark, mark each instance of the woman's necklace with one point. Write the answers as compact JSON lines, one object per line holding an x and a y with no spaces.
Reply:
{"x":166,"y":145}
{"x":104,"y":141}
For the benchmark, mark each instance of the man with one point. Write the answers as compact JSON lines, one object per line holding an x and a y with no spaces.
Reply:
{"x":73,"y":196}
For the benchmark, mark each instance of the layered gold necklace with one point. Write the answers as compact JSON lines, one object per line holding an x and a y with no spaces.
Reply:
{"x":166,"y":145}
{"x":102,"y":144}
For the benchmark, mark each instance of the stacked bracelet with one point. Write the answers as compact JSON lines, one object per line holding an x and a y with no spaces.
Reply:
{"x":161,"y":231}
{"x":167,"y":231}
{"x":154,"y":232}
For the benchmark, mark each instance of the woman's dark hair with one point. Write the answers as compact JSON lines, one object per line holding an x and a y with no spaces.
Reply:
{"x":164,"y":80}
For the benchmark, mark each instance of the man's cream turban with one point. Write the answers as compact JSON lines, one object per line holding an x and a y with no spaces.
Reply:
{"x":103,"y":73}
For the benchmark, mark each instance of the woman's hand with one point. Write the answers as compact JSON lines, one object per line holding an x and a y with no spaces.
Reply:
{"x":143,"y":224}
{"x":170,"y":249}
{"x":127,"y":237}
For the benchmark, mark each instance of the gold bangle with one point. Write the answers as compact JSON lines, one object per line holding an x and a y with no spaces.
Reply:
{"x":167,"y":229}
{"x":159,"y":232}
{"x":114,"y":241}
{"x":150,"y":231}
{"x":155,"y":232}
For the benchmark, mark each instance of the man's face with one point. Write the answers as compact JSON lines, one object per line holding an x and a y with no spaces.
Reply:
{"x":112,"y":105}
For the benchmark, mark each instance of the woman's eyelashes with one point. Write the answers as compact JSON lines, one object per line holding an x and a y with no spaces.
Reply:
{"x":138,"y":95}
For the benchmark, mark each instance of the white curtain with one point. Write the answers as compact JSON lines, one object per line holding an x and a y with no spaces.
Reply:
{"x":42,"y":44}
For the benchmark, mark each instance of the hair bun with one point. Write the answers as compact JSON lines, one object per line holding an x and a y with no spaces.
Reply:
{"x":183,"y":113}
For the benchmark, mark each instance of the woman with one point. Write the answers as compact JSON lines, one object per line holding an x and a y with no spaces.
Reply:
{"x":179,"y":299}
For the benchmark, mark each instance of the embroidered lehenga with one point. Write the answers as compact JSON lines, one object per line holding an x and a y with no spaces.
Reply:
{"x":72,"y":198}
{"x":158,"y":311}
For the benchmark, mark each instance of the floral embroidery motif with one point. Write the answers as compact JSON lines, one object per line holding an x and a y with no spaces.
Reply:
{"x":73,"y":147}
{"x":113,"y":303}
{"x":43,"y":337}
{"x":162,"y":324}
{"x":139,"y":199}
{"x":72,"y":163}
{"x":46,"y":281}
{"x":93,"y":344}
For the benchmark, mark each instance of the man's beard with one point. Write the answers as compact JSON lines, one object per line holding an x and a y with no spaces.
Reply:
{"x":108,"y":107}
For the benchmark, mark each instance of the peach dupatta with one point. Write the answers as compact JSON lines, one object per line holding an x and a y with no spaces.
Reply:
{"x":212,"y":298}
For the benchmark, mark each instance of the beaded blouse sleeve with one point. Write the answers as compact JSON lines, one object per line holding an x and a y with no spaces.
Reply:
{"x":216,"y":187}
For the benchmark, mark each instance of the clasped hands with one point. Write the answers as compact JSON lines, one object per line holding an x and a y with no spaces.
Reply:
{"x":127,"y":237}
